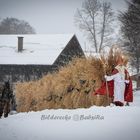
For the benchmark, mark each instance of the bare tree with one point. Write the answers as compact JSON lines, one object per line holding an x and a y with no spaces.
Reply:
{"x":15,"y":26}
{"x":95,"y":19}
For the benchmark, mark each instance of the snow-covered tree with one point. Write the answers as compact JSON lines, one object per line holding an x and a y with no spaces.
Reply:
{"x":130,"y":20}
{"x":95,"y":18}
{"x":15,"y":26}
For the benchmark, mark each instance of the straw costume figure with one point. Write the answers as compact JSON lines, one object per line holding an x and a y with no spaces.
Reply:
{"x":118,"y":84}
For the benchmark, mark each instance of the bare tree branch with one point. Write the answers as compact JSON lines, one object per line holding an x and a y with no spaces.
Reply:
{"x":88,"y":17}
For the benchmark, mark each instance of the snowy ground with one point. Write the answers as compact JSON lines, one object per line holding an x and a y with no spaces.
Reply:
{"x":95,"y":123}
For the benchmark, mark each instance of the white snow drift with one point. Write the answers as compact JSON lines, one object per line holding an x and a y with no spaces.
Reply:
{"x":95,"y":123}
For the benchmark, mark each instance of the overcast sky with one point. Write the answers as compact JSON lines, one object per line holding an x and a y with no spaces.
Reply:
{"x":48,"y":16}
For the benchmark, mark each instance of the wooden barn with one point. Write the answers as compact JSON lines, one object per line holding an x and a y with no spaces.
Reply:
{"x":29,"y":57}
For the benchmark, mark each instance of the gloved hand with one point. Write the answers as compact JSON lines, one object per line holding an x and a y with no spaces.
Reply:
{"x":127,"y":81}
{"x":105,"y":76}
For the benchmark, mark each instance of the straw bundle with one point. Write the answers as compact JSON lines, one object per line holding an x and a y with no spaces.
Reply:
{"x":71,"y":87}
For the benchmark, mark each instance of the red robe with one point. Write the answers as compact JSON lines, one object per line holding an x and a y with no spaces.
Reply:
{"x":128,"y":95}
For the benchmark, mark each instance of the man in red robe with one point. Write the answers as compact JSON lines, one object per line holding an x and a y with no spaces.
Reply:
{"x":119,"y":86}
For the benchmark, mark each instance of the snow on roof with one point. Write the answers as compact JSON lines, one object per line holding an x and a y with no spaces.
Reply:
{"x":37,"y":49}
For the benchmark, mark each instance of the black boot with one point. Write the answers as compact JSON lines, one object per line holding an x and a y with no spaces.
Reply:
{"x":1,"y":112}
{"x":5,"y":115}
{"x":127,"y":104}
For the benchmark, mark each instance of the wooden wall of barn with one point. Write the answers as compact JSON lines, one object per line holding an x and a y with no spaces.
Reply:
{"x":16,"y":73}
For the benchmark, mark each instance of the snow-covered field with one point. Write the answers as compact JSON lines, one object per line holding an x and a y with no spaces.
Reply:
{"x":95,"y":123}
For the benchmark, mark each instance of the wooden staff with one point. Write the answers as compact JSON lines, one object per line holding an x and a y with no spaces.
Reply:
{"x":107,"y":90}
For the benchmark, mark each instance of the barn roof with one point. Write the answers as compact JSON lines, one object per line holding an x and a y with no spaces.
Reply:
{"x":37,"y":49}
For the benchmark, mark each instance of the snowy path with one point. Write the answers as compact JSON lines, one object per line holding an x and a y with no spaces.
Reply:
{"x":95,"y":123}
